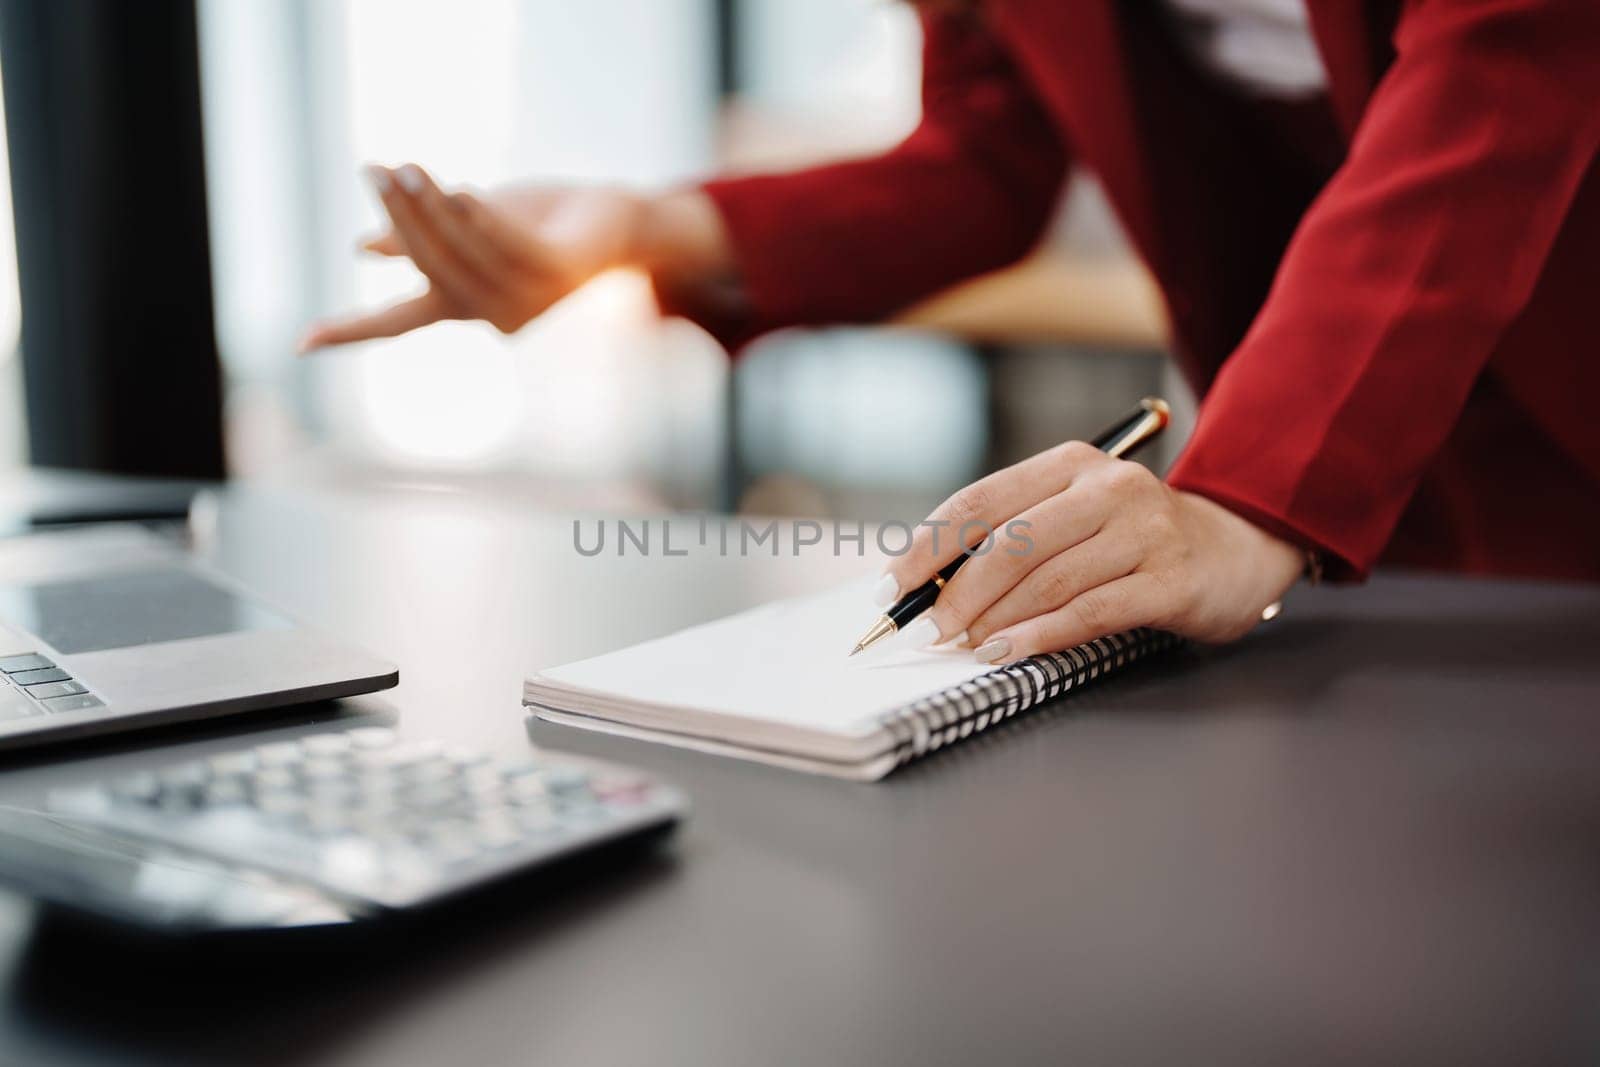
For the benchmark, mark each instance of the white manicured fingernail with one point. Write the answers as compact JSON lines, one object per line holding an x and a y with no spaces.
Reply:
{"x":992,"y":651}
{"x":410,"y":178}
{"x":886,"y":592}
{"x":922,"y":633}
{"x":379,"y":176}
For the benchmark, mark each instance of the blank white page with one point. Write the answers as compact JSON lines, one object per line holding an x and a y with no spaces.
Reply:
{"x":784,"y":663}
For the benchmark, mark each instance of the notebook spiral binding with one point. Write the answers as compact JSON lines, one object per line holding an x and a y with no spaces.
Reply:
{"x":973,"y":706}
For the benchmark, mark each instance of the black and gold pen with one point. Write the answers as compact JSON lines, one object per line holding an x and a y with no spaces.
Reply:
{"x":1120,"y":441}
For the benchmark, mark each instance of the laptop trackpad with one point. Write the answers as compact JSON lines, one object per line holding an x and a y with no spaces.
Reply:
{"x":137,"y":607}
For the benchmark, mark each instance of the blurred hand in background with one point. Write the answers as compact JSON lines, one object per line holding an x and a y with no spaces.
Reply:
{"x":505,"y":257}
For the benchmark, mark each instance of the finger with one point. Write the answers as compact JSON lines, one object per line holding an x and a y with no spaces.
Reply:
{"x":1138,"y":599}
{"x":431,"y":256}
{"x":1057,"y":582}
{"x":391,"y":321}
{"x":1020,"y":547}
{"x":985,"y":505}
{"x":448,"y":224}
{"x":384,"y":244}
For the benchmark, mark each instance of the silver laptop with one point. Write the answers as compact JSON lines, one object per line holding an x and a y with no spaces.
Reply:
{"x":113,"y":628}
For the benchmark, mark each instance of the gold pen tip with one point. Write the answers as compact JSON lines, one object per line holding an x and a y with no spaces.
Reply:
{"x":880,"y":629}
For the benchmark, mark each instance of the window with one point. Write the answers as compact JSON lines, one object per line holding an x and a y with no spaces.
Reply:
{"x":13,"y":426}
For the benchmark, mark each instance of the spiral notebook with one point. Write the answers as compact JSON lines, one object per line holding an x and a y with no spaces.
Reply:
{"x":774,"y":684}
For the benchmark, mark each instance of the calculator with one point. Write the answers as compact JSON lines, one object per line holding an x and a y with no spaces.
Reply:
{"x":327,"y":828}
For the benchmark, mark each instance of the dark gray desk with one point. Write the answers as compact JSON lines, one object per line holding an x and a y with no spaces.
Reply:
{"x":1369,"y":834}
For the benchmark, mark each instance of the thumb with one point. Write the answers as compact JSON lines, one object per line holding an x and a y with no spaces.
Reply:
{"x":384,"y":244}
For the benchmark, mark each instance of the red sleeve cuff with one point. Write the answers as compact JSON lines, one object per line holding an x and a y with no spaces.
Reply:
{"x":722,"y":310}
{"x":1337,"y":566}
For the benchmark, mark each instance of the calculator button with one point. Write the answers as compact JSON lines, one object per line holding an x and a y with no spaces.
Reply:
{"x":325,"y":744}
{"x":325,"y":820}
{"x":497,"y":835}
{"x":278,"y":754}
{"x":141,"y":787}
{"x":580,"y":811}
{"x":371,"y":761}
{"x":49,"y":674}
{"x":225,"y":763}
{"x":431,"y":795}
{"x":274,"y":777}
{"x":280,"y":804}
{"x":335,"y":791}
{"x":73,"y":703}
{"x":185,"y":775}
{"x":481,"y":781}
{"x":324,"y":768}
{"x":46,"y":690}
{"x":565,"y":779}
{"x":31,"y":662}
{"x":449,"y":842}
{"x":375,"y":808}
{"x":539,"y":820}
{"x":431,"y":771}
{"x":526,"y":787}
{"x":372,"y":737}
{"x":224,"y":791}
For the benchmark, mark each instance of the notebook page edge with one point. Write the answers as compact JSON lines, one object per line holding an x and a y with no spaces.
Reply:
{"x":873,"y":739}
{"x":869,"y":770}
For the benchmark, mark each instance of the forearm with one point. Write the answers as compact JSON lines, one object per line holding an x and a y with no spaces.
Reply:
{"x":680,"y":235}
{"x":969,"y":191}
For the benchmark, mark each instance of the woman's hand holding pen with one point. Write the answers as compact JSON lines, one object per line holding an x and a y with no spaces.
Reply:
{"x":1107,"y":547}
{"x":505,"y":257}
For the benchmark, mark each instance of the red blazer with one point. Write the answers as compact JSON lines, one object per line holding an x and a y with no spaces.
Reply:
{"x":1396,"y":335}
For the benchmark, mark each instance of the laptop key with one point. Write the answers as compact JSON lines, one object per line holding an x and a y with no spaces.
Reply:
{"x":79,"y":702}
{"x":46,"y":690}
{"x":34,"y":677}
{"x":30,"y":662}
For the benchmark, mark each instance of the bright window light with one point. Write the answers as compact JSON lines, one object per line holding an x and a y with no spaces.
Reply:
{"x":12,"y":409}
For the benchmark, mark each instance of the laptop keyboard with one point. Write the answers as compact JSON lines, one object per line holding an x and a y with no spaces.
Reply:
{"x":34,"y":685}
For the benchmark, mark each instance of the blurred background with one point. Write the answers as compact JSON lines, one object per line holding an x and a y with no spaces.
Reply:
{"x":187,"y":192}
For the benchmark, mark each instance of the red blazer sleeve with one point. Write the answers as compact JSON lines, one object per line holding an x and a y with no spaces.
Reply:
{"x":969,"y":191}
{"x":1404,"y":273}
